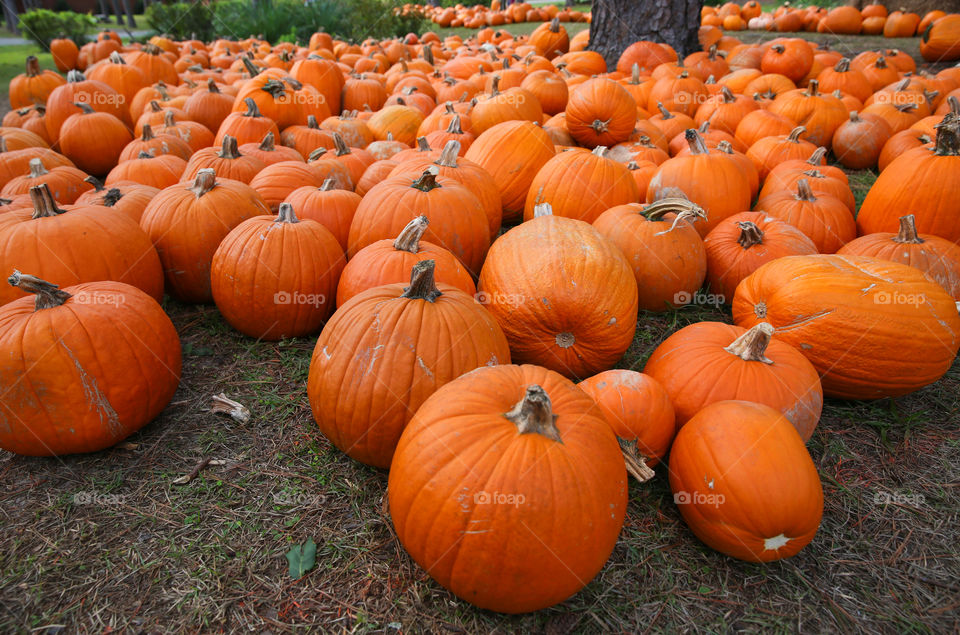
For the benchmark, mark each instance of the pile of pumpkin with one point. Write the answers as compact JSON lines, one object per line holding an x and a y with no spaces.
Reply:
{"x":939,"y":30}
{"x":440,"y":209}
{"x":480,"y":16}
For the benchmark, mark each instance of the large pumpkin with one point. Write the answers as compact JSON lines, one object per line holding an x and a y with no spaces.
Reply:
{"x":708,"y":362}
{"x":187,"y":222}
{"x":571,"y":307}
{"x":83,"y":367}
{"x":75,"y":244}
{"x":600,"y":112}
{"x":394,"y":346}
{"x":744,"y":482}
{"x":508,"y":488}
{"x":922,"y":182}
{"x":871,"y":328}
{"x":276,"y":277}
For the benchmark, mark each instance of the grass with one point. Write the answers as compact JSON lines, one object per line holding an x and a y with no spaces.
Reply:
{"x":11,"y":64}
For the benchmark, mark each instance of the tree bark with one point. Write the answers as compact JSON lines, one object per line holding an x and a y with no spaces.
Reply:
{"x":619,"y":23}
{"x":128,"y":10}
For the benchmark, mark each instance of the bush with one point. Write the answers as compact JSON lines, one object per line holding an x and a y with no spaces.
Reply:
{"x":286,"y":20}
{"x":42,"y":26}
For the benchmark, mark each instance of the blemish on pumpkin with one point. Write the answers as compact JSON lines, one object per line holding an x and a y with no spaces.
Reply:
{"x":424,"y":367}
{"x":772,"y":544}
{"x":806,"y":347}
{"x":612,"y":321}
{"x":760,"y":309}
{"x":866,"y":289}
{"x":565,"y":340}
{"x":95,"y":397}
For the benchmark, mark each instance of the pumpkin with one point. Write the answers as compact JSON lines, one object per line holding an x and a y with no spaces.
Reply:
{"x":581,"y":185}
{"x":725,"y":111}
{"x":45,"y":239}
{"x":600,"y":112}
{"x":209,"y":107}
{"x":512,"y":152}
{"x":768,"y":152}
{"x":919,"y":181}
{"x":637,"y":408}
{"x":322,"y":74}
{"x":65,"y":53}
{"x":14,"y":163}
{"x":820,"y":114}
{"x":937,"y":257}
{"x":84,"y":366}
{"x":571,"y":308}
{"x":741,"y":243}
{"x":246,"y":127}
{"x":841,"y":77}
{"x":791,"y":58}
{"x":63,"y":99}
{"x":156,"y":145}
{"x":394,"y":344}
{"x":713,"y":180}
{"x":744,"y":482}
{"x":275,"y":277}
{"x":187,"y":222}
{"x":276,"y":182}
{"x":550,"y":39}
{"x":93,"y":140}
{"x":840,"y":310}
{"x":857,"y":143}
{"x":662,"y":247}
{"x":401,"y":122}
{"x":709,"y":362}
{"x":159,"y":172}
{"x":529,"y":430}
{"x":195,"y":134}
{"x":457,"y":218}
{"x":762,"y":123}
{"x":681,"y":94}
{"x":122,"y":77}
{"x":377,"y":172}
{"x":308,"y":138}
{"x":940,"y":42}
{"x":551,"y":91}
{"x":390,"y":261}
{"x":513,"y":104}
{"x":33,"y":86}
{"x":227,"y":161}
{"x":268,"y":152}
{"x":824,"y":219}
{"x":65,"y":182}
{"x":130,"y":199}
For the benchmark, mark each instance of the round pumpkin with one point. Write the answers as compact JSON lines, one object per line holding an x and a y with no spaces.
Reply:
{"x":823,"y":219}
{"x":83,"y":367}
{"x":744,"y":482}
{"x":528,"y":431}
{"x":600,"y":112}
{"x":395,"y":345}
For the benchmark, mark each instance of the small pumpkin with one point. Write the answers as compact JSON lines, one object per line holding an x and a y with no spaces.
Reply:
{"x":33,"y":86}
{"x":227,"y":161}
{"x":824,"y":219}
{"x":600,"y":112}
{"x":65,"y":182}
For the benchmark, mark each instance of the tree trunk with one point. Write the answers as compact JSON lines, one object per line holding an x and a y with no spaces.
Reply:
{"x":117,"y":12}
{"x":10,"y":16}
{"x":619,"y":23}
{"x":128,"y":9}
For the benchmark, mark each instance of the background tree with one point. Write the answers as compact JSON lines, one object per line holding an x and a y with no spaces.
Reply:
{"x":619,"y":23}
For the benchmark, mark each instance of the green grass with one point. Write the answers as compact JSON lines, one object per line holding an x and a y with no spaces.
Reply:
{"x":11,"y":65}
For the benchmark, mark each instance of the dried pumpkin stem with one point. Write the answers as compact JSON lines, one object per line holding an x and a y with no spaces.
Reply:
{"x":112,"y":197}
{"x":454,"y":127}
{"x":229,"y":149}
{"x":252,"y":110}
{"x":423,"y":286}
{"x":752,"y":345}
{"x":794,"y":136}
{"x":205,"y":181}
{"x":448,"y":158}
{"x":340,"y":146}
{"x":804,"y":193}
{"x":843,"y":65}
{"x":147,"y":133}
{"x":409,"y":238}
{"x":32,"y":66}
{"x":95,"y":182}
{"x":534,"y":414}
{"x":635,"y":462}
{"x":286,"y":214}
{"x":328,"y":184}
{"x":267,"y":145}
{"x":427,"y":180}
{"x":948,"y":136}
{"x":695,"y":141}
{"x":750,"y":234}
{"x":816,"y":158}
{"x":48,"y":294}
{"x":44,"y":206}
{"x":908,"y":231}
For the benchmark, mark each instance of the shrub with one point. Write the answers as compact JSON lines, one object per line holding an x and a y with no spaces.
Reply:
{"x":42,"y":26}
{"x":182,"y":20}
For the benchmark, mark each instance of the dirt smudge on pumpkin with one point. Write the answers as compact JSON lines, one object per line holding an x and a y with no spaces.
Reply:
{"x":94,"y":396}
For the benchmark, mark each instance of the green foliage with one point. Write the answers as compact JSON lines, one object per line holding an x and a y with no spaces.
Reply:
{"x":42,"y":26}
{"x":283,"y":20}
{"x":302,"y":558}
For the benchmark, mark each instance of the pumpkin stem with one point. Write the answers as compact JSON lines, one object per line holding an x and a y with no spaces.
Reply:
{"x":636,"y":463}
{"x":328,"y":184}
{"x":751,"y":346}
{"x":454,"y":127}
{"x":816,"y":158}
{"x":728,"y":96}
{"x":316,"y":154}
{"x":286,"y":214}
{"x":84,"y":108}
{"x":725,"y":146}
{"x":212,"y":86}
{"x":312,"y":123}
{"x":423,"y":145}
{"x":155,"y":105}
{"x":881,"y":62}
{"x":252,"y":110}
{"x":48,"y":294}
{"x":143,"y":154}
{"x":422,"y":283}
{"x":664,"y":113}
{"x":555,"y":25}
{"x":804,"y":193}
{"x":112,"y":197}
{"x":43,"y":204}
{"x":813,"y":88}
{"x":750,"y":234}
{"x":843,"y":65}
{"x":340,"y":146}
{"x":147,"y":133}
{"x":448,"y":157}
{"x":427,"y":180}
{"x":32,"y":66}
{"x":169,"y":120}
{"x":685,"y":210}
{"x":74,"y":77}
{"x":205,"y":181}
{"x":908,"y":231}
{"x":635,"y":74}
{"x":534,"y":415}
{"x":794,"y":136}
{"x":948,"y":136}
{"x":409,"y":238}
{"x":542,"y":209}
{"x":695,"y":141}
{"x":599,"y":151}
{"x":779,"y":48}
{"x":95,"y":182}
{"x":229,"y":150}
{"x":267,"y":144}
{"x":37,"y":169}
{"x":495,"y":90}
{"x":855,"y":117}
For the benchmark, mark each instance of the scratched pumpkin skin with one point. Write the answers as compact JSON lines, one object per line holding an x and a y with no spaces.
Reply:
{"x":870,"y":327}
{"x":82,"y":375}
{"x":386,"y":350}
